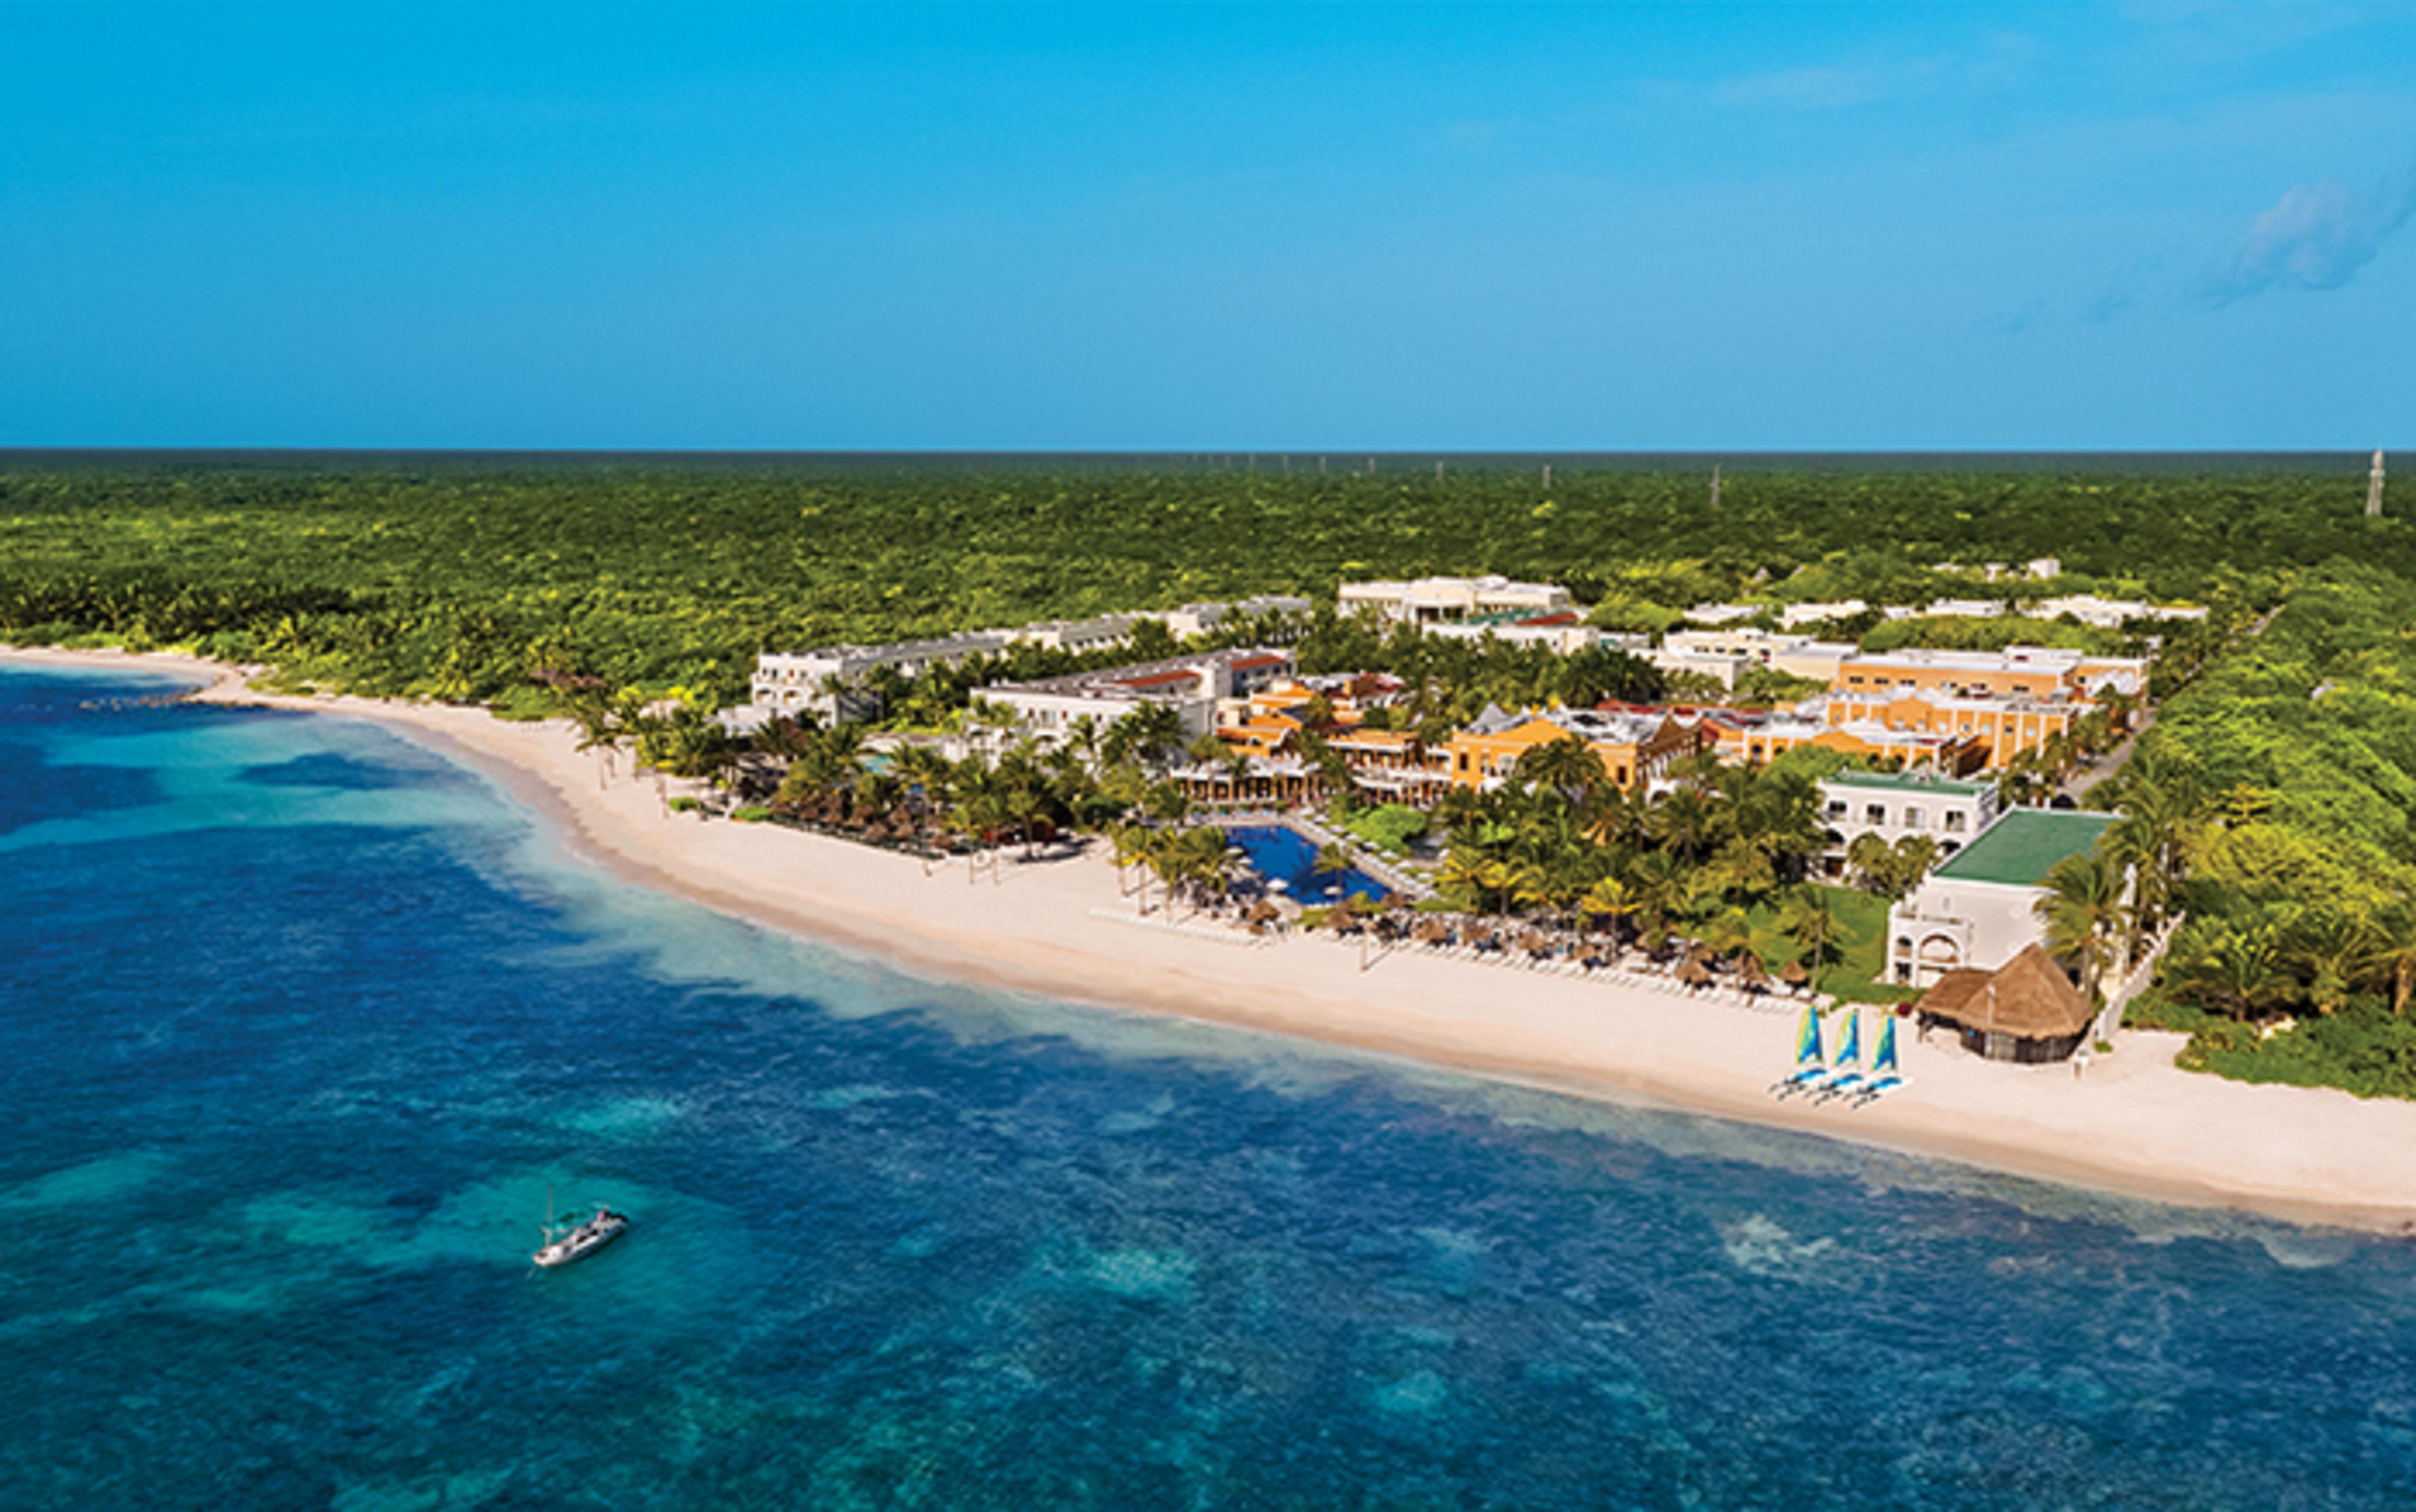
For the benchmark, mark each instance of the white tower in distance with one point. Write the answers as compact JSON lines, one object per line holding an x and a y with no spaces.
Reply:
{"x":2373,"y":486}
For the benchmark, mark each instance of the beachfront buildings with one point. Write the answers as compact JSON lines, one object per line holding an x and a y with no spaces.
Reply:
{"x":1635,"y":747}
{"x":1979,"y":908}
{"x":1896,"y":806}
{"x":1443,"y":601}
{"x":2025,"y":1011}
{"x":1192,"y":686}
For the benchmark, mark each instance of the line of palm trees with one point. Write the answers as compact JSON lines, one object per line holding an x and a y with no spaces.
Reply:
{"x":1561,"y":839}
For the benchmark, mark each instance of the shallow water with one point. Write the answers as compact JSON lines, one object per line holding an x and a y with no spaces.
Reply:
{"x":301,"y":1025}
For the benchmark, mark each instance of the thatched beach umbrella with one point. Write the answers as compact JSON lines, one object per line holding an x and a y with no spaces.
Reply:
{"x":1793,"y":974}
{"x":1535,"y":942}
{"x":1433,"y":931}
{"x":1693,"y":973}
{"x":1263,"y":911}
{"x":1753,"y":972}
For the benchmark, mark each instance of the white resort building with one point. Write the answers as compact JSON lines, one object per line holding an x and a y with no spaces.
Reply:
{"x":1191,"y":686}
{"x":791,"y":681}
{"x":1978,"y":909}
{"x":1896,"y":805}
{"x":1441,"y":600}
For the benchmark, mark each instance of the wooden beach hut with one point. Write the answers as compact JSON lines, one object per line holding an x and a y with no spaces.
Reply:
{"x":2025,"y":1011}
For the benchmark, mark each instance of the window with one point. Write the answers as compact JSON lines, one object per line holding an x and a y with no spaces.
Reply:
{"x":1954,"y":821}
{"x":1875,"y":814}
{"x":1836,"y":808}
{"x":1914,"y":819}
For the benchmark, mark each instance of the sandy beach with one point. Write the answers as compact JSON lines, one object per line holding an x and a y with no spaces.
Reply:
{"x":2135,"y":1124}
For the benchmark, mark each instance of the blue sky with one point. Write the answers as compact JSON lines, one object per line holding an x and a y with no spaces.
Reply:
{"x":2170,"y":223}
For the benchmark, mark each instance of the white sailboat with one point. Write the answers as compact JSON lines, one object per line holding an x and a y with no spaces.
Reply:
{"x":567,"y":1243}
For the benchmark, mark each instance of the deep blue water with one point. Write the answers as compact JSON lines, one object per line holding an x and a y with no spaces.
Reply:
{"x":1280,"y":853}
{"x":299,"y":1024}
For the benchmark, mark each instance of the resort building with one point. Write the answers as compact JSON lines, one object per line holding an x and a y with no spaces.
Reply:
{"x":1443,"y":601}
{"x":1978,"y":908}
{"x":1564,"y":633}
{"x":2019,"y":670}
{"x":1077,"y":634}
{"x":2003,"y":728}
{"x":791,"y":681}
{"x":1896,"y":805}
{"x":1191,"y":686}
{"x":1349,"y":695}
{"x":1723,"y":613}
{"x":2111,"y":613}
{"x":1795,"y":655}
{"x":1635,"y":748}
{"x":1757,"y":736}
{"x":1723,"y":670}
{"x":1795,"y":616}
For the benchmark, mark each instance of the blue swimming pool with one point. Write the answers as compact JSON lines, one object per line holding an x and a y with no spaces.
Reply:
{"x":1281,"y":854}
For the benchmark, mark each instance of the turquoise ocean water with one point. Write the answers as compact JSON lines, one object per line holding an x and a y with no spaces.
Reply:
{"x":298,"y":1025}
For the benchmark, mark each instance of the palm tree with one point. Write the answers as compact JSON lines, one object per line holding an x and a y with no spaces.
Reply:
{"x":1610,"y":899}
{"x":1206,"y":862}
{"x":1728,"y":934}
{"x":1128,"y":843}
{"x":2335,"y":948}
{"x":1462,"y":875}
{"x":1567,"y":767}
{"x":601,"y":731}
{"x":1913,"y":858}
{"x":2085,"y":915}
{"x":2235,"y":968}
{"x":1332,"y":861}
{"x":1872,"y":860}
{"x":1149,"y":731}
{"x":1808,"y":919}
{"x":1684,"y":819}
{"x":1657,"y":882}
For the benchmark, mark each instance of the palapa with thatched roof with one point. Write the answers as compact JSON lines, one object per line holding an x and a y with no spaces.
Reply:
{"x":1432,"y":931}
{"x":2025,"y":1010}
{"x":1693,"y":971}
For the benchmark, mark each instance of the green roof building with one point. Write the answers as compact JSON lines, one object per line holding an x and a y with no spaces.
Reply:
{"x":1978,"y":910}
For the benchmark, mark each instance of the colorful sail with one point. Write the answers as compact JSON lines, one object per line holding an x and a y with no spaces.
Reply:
{"x":1849,"y":1050}
{"x":1884,"y":1060}
{"x":1807,"y":1038}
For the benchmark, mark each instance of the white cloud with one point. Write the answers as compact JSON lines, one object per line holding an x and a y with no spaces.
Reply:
{"x":2315,"y":237}
{"x":1999,"y":61}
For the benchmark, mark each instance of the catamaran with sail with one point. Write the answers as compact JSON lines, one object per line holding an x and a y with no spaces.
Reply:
{"x":1885,"y":1076}
{"x":1844,"y":1075}
{"x":1811,"y":1064}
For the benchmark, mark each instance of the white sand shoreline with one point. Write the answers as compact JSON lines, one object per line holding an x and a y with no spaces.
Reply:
{"x":2136,"y":1124}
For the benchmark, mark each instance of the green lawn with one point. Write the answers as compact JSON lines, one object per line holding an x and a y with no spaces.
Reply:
{"x":1859,"y":977}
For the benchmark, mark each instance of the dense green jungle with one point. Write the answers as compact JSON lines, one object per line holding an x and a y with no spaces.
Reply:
{"x":2283,"y":767}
